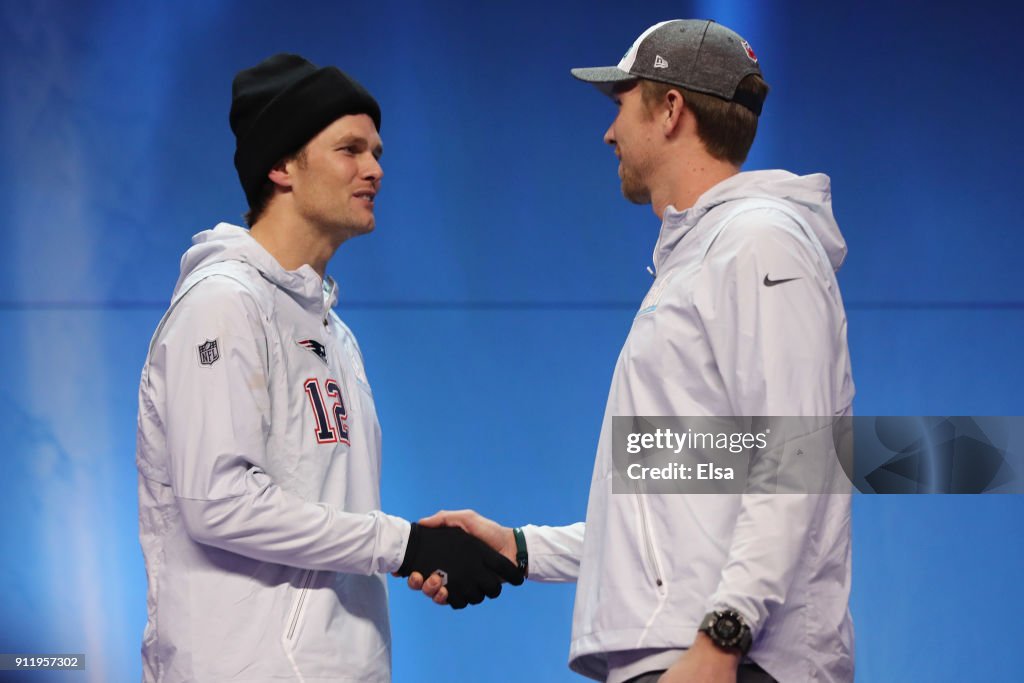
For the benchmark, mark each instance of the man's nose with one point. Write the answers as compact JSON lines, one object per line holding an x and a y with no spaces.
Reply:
{"x":372,"y":170}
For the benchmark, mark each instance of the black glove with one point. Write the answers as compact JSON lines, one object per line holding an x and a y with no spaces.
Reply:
{"x":474,"y":569}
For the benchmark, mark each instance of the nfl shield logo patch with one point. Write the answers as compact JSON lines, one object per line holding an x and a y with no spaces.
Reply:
{"x":750,"y":51}
{"x":208,"y":352}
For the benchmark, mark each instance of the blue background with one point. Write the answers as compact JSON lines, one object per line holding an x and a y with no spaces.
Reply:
{"x":499,"y":285}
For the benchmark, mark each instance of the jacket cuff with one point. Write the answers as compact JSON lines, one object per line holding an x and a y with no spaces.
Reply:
{"x":392,"y":539}
{"x":554,"y":552}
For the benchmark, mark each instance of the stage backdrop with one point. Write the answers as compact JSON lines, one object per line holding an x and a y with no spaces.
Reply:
{"x":493,"y":297}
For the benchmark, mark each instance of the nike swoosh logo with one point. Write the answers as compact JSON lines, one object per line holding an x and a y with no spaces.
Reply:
{"x":771,"y":283}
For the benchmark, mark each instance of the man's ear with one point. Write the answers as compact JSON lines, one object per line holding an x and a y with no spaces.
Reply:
{"x":281,"y":174}
{"x":675,"y":109}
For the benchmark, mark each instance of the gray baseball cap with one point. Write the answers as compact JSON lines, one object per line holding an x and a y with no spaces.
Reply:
{"x":696,"y":54}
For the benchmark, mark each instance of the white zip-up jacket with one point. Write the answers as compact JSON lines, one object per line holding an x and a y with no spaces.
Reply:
{"x":259,"y":470}
{"x":712,"y":339}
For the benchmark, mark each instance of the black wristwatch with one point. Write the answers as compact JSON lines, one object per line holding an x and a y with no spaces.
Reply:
{"x":727,"y":630}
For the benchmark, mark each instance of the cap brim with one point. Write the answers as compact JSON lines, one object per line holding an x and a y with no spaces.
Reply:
{"x":604,"y":78}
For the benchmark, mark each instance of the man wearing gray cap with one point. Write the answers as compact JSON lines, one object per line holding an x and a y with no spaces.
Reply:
{"x":744,"y":318}
{"x":259,"y":450}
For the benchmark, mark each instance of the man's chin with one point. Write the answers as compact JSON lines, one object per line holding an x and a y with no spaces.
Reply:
{"x":347,"y":231}
{"x":636,"y":195}
{"x":364,"y":227}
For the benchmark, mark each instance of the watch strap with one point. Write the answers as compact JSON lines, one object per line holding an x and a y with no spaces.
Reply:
{"x":522,"y":557}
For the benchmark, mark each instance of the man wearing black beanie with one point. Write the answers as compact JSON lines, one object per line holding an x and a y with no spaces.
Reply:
{"x":258,"y":445}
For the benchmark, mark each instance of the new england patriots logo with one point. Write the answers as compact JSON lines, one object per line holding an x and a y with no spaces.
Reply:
{"x":316,"y":347}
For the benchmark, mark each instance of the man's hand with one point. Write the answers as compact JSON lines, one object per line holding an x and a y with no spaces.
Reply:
{"x":704,"y":662}
{"x":472,"y":569}
{"x":498,"y":537}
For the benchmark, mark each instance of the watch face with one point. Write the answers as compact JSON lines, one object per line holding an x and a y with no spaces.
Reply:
{"x":726,"y":627}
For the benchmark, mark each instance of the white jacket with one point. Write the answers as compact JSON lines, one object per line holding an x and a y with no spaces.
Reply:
{"x":258,"y":515}
{"x":711,"y":338}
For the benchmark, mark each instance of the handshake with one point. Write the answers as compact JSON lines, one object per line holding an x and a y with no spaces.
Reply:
{"x":449,"y":562}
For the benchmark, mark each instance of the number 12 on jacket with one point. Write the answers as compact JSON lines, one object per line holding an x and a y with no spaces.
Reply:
{"x":325,"y":431}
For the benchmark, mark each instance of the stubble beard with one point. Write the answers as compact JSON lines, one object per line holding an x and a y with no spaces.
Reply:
{"x":350,"y":227}
{"x":634,"y":188}
{"x":341,"y":223}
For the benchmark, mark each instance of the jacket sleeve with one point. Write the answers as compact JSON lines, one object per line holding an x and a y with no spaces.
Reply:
{"x":217,"y":422}
{"x":775,"y":348}
{"x":555,"y":552}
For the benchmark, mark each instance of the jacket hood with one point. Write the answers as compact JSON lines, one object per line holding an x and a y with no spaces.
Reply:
{"x":226,"y":242}
{"x":810,"y":196}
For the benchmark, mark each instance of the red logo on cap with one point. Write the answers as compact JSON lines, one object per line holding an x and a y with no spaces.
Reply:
{"x":750,"y":51}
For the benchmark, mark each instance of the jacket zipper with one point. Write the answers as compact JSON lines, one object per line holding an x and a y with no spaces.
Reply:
{"x":307,"y":579}
{"x":648,"y":545}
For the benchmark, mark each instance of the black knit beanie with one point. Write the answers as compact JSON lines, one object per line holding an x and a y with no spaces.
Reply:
{"x":281,"y":104}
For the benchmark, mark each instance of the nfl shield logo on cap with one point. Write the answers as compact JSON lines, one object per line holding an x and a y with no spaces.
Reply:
{"x":750,"y":51}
